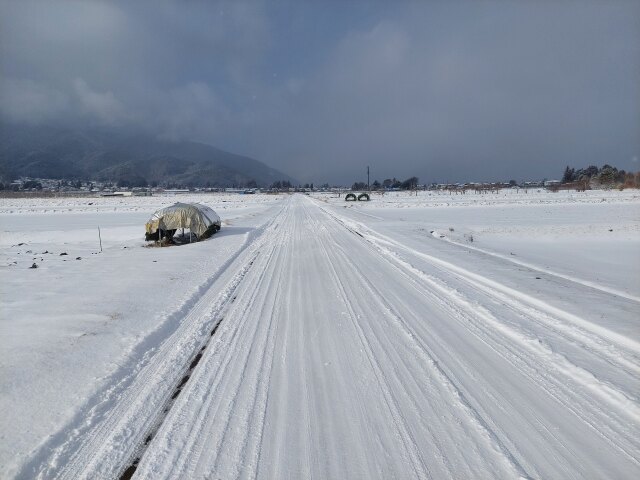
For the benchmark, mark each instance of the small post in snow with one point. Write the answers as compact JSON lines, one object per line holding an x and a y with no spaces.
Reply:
{"x":100,"y":237}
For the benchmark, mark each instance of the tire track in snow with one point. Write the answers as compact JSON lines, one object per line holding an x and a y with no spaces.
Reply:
{"x":419,"y":468}
{"x":531,"y":266}
{"x":486,"y":325}
{"x":110,"y":435}
{"x":209,"y":445}
{"x":608,"y":392}
{"x":582,"y":409}
{"x":252,"y":404}
{"x":613,"y":429}
{"x":291,"y":333}
{"x":131,"y":468}
{"x":428,"y":359}
{"x":614,"y":348}
{"x":226,"y":369}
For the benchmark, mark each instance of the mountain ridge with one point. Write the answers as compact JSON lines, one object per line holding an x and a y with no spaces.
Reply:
{"x":119,"y":156}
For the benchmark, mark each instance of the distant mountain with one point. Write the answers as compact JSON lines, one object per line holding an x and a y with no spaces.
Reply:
{"x":120,"y":156}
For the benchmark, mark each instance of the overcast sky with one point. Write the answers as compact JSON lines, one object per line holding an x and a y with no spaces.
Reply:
{"x":442,"y":90}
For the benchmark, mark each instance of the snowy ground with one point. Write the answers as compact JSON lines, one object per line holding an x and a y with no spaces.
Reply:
{"x":429,"y":336}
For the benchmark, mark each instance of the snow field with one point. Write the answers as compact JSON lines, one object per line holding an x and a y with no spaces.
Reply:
{"x":373,"y":340}
{"x":75,"y":332}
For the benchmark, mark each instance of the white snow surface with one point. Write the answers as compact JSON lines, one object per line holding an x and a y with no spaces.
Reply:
{"x":428,"y":336}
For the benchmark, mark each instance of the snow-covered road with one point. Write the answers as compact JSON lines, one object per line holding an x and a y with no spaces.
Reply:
{"x":341,"y":350}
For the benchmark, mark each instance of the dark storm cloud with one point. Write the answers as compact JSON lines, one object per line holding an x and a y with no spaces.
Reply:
{"x":445,"y":91}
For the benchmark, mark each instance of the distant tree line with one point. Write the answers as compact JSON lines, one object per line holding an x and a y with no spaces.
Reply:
{"x":281,"y":185}
{"x":410,"y":183}
{"x":606,"y":175}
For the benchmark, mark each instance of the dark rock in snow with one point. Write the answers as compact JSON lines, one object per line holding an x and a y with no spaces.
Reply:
{"x":34,"y":266}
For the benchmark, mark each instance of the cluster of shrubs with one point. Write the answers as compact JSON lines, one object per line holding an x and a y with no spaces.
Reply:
{"x":606,"y":176}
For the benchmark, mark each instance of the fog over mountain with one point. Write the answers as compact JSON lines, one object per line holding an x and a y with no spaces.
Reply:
{"x":319,"y":90}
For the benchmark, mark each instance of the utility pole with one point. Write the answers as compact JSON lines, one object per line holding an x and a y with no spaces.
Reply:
{"x":368,"y":187}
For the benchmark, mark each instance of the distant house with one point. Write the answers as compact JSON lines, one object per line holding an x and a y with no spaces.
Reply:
{"x":175,"y":191}
{"x":116,"y":194}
